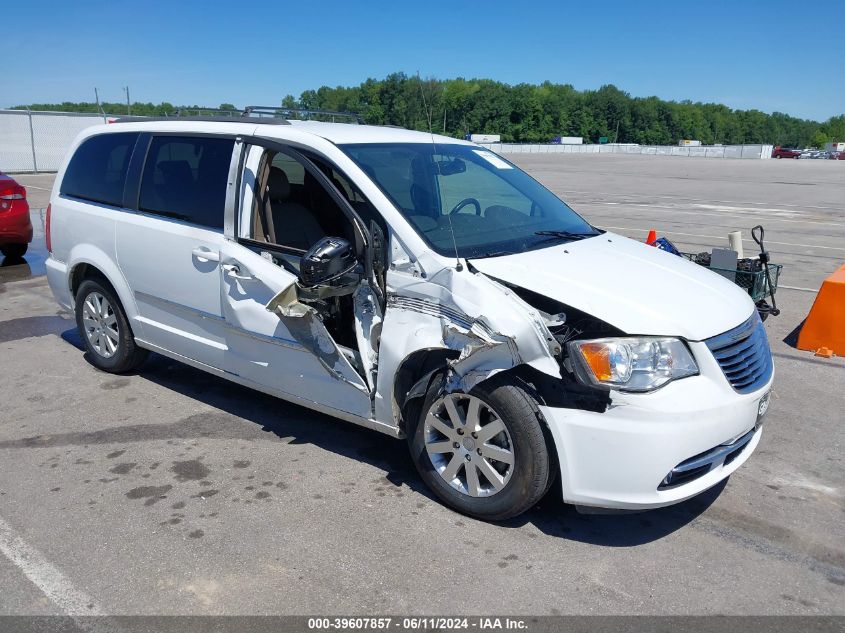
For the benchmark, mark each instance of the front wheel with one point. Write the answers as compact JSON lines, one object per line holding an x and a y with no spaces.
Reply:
{"x":483,"y":453}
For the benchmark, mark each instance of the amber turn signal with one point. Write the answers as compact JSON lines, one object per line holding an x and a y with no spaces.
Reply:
{"x":597,"y":356}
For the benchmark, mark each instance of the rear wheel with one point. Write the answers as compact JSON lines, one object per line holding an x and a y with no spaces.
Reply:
{"x":105,"y":329}
{"x":482,"y":453}
{"x":14,"y":251}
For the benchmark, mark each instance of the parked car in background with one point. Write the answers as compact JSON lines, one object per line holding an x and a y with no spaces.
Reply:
{"x":836,"y":156}
{"x":785,"y":152}
{"x":15,"y":225}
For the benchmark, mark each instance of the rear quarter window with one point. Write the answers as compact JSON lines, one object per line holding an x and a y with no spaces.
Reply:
{"x":97,"y":170}
{"x":185,"y":178}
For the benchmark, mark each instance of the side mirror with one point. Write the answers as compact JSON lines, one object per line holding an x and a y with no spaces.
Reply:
{"x":326,"y":261}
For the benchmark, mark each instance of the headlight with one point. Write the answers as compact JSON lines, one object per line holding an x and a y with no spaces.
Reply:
{"x":631,"y":364}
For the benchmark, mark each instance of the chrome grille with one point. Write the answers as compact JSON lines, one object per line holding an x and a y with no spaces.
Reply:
{"x":743,"y":354}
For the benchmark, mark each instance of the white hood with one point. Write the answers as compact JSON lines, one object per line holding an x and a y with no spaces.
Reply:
{"x":637,"y":288}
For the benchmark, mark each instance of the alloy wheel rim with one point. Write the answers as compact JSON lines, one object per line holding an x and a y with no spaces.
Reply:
{"x":100,"y":323}
{"x":469,"y":445}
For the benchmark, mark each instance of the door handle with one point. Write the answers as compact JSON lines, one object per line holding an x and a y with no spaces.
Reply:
{"x":234,"y":272}
{"x":201,"y":252}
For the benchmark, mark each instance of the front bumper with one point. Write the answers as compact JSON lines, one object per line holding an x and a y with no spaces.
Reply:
{"x":621,"y":458}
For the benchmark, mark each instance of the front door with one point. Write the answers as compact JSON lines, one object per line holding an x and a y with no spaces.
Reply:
{"x":293,"y":354}
{"x":306,"y":343}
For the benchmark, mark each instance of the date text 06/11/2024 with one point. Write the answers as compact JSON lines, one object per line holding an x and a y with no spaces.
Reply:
{"x":416,"y":623}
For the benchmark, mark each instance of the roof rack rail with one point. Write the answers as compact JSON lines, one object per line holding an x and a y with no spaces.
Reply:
{"x":306,"y":114}
{"x":254,"y":114}
{"x":221,"y":112}
{"x":216,"y":119}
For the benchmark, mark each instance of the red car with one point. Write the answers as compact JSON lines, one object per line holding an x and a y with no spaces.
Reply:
{"x":15,"y":225}
{"x":785,"y":152}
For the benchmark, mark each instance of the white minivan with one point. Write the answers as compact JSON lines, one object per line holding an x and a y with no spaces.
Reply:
{"x":417,"y":285}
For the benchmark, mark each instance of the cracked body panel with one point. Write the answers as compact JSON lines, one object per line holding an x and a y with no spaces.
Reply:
{"x":488,"y":325}
{"x":306,"y":328}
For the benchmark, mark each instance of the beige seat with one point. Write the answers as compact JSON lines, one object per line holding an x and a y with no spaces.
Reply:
{"x":293,"y":223}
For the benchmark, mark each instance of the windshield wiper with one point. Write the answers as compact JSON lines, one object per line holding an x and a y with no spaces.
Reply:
{"x":566,"y":234}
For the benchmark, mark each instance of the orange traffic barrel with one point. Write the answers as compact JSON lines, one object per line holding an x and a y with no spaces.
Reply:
{"x":824,"y":329}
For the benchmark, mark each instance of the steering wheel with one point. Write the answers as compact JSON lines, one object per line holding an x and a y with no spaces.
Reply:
{"x":464,"y":203}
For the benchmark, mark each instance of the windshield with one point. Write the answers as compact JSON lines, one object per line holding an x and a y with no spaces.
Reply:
{"x":493,"y":207}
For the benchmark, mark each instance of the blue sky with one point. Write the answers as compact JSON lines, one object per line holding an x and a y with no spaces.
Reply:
{"x":771,"y":55}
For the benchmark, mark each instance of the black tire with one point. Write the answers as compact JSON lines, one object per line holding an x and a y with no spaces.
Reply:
{"x":14,"y":251}
{"x":532,"y":468}
{"x":127,"y":355}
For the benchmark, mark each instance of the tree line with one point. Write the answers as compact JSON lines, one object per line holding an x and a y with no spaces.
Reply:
{"x":531,"y":113}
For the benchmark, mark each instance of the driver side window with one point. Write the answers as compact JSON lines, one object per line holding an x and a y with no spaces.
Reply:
{"x":291,"y":209}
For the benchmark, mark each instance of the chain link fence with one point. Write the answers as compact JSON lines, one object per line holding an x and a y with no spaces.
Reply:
{"x":37,"y":141}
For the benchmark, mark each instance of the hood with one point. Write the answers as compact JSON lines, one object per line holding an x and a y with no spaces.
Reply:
{"x":634,"y":287}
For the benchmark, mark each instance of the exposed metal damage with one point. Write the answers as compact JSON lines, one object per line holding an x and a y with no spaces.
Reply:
{"x":368,"y":324}
{"x":480,"y":326}
{"x":307,"y":328}
{"x":492,"y":329}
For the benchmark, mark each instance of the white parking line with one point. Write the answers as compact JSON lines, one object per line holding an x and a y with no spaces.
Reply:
{"x":717,"y":237}
{"x":780,"y":286}
{"x":708,"y":200}
{"x":666,"y":209}
{"x":53,"y":583}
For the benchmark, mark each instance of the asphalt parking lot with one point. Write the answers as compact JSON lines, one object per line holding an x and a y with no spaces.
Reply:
{"x":172,"y":491}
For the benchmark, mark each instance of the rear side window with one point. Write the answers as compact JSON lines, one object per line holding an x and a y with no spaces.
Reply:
{"x":185,"y":178}
{"x":97,"y":171}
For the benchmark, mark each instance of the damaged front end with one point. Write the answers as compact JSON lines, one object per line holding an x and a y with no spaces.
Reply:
{"x":482,"y":327}
{"x":460,"y":325}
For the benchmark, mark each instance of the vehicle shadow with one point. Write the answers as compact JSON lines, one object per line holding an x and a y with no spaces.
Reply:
{"x":293,"y":424}
{"x":289,"y":422}
{"x":614,"y":529}
{"x":14,"y":269}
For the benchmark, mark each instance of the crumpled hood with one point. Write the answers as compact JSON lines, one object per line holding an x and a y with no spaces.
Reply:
{"x":635,"y":287}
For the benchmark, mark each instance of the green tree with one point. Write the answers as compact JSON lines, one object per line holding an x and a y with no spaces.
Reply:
{"x":818,"y":139}
{"x":531,"y":113}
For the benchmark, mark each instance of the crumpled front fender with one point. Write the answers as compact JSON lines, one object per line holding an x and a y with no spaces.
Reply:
{"x":490,"y":327}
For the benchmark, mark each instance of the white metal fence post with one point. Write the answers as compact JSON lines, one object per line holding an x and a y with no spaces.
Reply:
{"x":32,"y":142}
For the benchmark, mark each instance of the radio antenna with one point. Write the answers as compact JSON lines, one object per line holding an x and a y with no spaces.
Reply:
{"x":439,"y":181}
{"x":97,"y":99}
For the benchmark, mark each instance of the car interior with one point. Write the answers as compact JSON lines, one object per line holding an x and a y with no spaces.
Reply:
{"x":292,"y":211}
